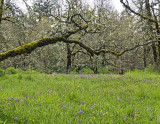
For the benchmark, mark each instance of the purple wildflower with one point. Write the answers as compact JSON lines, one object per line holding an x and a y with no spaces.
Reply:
{"x":150,"y":109}
{"x":133,"y":114}
{"x":82,"y":102}
{"x":79,"y":112}
{"x":26,"y":97}
{"x":119,"y":99}
{"x":91,"y":105}
{"x":126,"y":117}
{"x":21,"y":100}
{"x":87,"y":122}
{"x":62,"y":106}
{"x":15,"y":118}
{"x":111,"y":92}
{"x":10,"y":98}
{"x":8,"y":103}
{"x":90,"y":114}
{"x":16,"y":99}
{"x":70,"y":107}
{"x":133,"y":90}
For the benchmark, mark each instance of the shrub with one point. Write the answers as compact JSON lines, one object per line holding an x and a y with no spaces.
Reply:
{"x":11,"y":70}
{"x":104,"y":70}
{"x":2,"y":72}
{"x":87,"y":71}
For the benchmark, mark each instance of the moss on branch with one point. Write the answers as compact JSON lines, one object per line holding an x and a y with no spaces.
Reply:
{"x":28,"y":48}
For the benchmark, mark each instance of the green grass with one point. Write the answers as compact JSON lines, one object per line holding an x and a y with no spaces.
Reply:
{"x":73,"y":99}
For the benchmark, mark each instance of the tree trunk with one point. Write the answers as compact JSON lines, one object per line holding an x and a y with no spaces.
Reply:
{"x":104,"y":57}
{"x":1,"y":9}
{"x":69,"y":59}
{"x":147,"y":4}
{"x":145,"y":57}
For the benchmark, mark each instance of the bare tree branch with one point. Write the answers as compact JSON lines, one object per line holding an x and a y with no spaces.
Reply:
{"x":136,"y":13}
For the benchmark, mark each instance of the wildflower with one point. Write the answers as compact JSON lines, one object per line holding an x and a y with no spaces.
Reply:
{"x":16,"y":99}
{"x":1,"y":88}
{"x":62,"y":106}
{"x":8,"y":103}
{"x":82,"y":102}
{"x":21,"y":100}
{"x":133,"y":114}
{"x":10,"y":98}
{"x":79,"y":112}
{"x":26,"y":97}
{"x":40,"y":103}
{"x":90,"y":114}
{"x":87,"y":122}
{"x":70,"y":107}
{"x":119,"y":99}
{"x":126,"y":117}
{"x":94,"y":104}
{"x":91,"y":105}
{"x":15,"y":118}
{"x":133,"y":90}
{"x":150,"y":109}
{"x":110,"y":92}
{"x":75,"y":115}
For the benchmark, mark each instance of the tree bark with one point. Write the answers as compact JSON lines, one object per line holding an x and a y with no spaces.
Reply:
{"x":147,"y":4}
{"x":69,"y":59}
{"x":1,"y":9}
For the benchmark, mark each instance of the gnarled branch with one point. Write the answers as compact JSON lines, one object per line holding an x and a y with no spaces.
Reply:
{"x":28,"y":48}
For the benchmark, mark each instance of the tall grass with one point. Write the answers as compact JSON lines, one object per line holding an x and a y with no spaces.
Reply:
{"x":35,"y":98}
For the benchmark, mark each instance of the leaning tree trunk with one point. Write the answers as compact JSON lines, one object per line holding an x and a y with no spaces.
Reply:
{"x":69,"y":59}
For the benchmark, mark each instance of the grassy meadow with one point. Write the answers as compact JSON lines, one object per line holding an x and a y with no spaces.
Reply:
{"x":36,"y":98}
